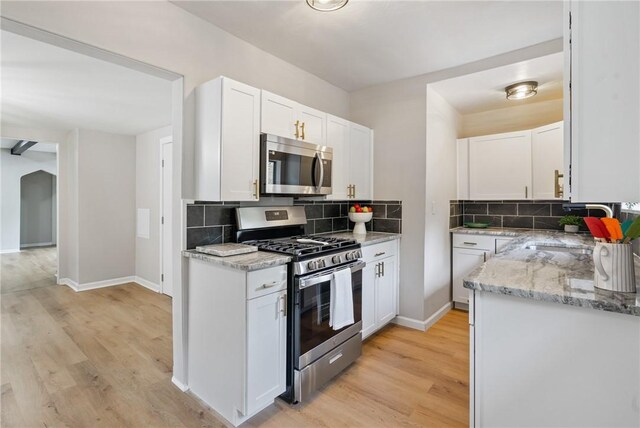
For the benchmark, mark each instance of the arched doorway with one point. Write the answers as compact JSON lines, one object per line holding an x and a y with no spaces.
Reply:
{"x":38,"y":210}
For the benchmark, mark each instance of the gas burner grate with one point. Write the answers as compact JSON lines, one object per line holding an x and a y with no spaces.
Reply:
{"x":293,"y":247}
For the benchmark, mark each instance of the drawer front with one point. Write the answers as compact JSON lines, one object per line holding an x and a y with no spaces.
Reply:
{"x":477,"y":242}
{"x":379,"y":251}
{"x":266,"y":281}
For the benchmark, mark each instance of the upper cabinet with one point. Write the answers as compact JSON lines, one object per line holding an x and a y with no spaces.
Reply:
{"x":286,"y":118}
{"x":602,"y":47}
{"x":547,"y":145}
{"x":227,"y":149}
{"x":500,"y":166}
{"x":352,"y":159}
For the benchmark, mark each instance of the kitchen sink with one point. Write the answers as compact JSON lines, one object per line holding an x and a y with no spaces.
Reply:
{"x":560,"y":249}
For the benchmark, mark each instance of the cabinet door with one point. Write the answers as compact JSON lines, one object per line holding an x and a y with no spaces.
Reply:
{"x":240,"y":154}
{"x":605,"y":106}
{"x":338,"y":139}
{"x":547,"y":156}
{"x":266,"y":350}
{"x":315,"y":125}
{"x":464,"y":262}
{"x":500,"y":166}
{"x":368,"y":299}
{"x":386,"y":295}
{"x":278,"y":115}
{"x":360,"y":161}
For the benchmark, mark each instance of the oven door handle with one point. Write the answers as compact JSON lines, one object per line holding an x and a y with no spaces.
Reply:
{"x":308,"y":282}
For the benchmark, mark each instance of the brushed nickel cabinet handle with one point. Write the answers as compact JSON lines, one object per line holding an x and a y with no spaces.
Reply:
{"x":379,"y":254}
{"x":354,"y":191}
{"x":470,"y":243}
{"x":526,"y":191}
{"x":297,"y":130}
{"x":382,"y":268}
{"x":256,"y":188}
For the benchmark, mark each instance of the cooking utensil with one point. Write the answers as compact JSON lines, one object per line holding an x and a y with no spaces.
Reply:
{"x":633,"y":232}
{"x":625,"y":226}
{"x":614,"y":229}
{"x":597,"y":228}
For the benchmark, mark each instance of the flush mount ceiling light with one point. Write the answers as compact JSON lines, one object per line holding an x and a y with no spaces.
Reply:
{"x":522,"y":90}
{"x":326,"y":5}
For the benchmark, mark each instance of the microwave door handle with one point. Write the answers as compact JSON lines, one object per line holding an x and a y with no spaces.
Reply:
{"x":319,"y":187}
{"x":304,"y":283}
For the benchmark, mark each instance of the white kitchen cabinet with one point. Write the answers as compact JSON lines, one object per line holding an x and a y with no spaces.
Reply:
{"x":380,"y":282}
{"x":361,"y":162}
{"x":352,"y":167}
{"x":602,"y":41}
{"x":338,"y":132}
{"x":287,"y":118}
{"x":464,"y":262}
{"x":266,"y":348}
{"x":469,"y":252}
{"x":237,"y":337}
{"x":547,"y":157}
{"x":227,"y":149}
{"x":500,"y":166}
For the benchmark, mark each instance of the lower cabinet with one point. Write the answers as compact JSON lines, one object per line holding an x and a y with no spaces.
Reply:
{"x":469,"y":252}
{"x":237,"y":337}
{"x":379,"y":286}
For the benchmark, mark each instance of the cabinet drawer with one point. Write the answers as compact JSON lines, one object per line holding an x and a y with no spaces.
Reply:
{"x":266,"y":281}
{"x":379,"y":251}
{"x":476,"y":242}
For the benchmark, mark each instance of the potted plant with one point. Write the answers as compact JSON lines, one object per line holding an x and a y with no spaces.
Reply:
{"x":571,"y":223}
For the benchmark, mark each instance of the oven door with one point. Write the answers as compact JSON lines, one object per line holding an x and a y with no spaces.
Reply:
{"x":314,"y":337}
{"x":291,"y":167}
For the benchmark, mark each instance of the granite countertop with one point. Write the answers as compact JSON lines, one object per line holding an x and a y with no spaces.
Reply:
{"x":492,"y":231}
{"x":247,"y":262}
{"x":369,"y":239}
{"x":558,"y":277}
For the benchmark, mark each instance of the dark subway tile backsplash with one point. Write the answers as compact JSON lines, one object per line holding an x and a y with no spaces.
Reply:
{"x":524,"y":214}
{"x":215,"y":222}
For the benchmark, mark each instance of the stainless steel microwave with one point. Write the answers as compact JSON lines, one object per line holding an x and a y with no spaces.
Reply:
{"x":292,"y":167}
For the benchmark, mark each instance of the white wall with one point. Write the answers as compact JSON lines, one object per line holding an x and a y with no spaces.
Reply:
{"x":12,"y":168}
{"x":443,"y":125}
{"x":106,"y":205}
{"x":397,"y":112}
{"x":148,"y":187}
{"x":510,"y":119}
{"x":37,"y":208}
{"x":68,"y":204}
{"x":167,"y":36}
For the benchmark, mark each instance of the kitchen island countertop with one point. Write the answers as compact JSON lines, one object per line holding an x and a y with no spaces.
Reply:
{"x":560,"y":277}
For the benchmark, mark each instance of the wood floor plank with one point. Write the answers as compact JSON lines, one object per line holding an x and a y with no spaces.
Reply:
{"x":103,"y":358}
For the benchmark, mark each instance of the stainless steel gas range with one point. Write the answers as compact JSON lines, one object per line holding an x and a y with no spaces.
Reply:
{"x":315,"y":351}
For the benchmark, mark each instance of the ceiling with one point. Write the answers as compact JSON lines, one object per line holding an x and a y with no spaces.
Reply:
{"x":371,"y":42}
{"x":484,"y":91}
{"x":8,"y":143}
{"x":44,"y":86}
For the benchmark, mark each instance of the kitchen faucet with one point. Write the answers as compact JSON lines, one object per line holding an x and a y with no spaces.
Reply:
{"x":606,"y":209}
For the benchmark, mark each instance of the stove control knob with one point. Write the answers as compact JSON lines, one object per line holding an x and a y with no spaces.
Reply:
{"x":321,"y":263}
{"x":349,"y":256}
{"x":358,"y":254}
{"x":336,"y":259}
{"x":312,"y":265}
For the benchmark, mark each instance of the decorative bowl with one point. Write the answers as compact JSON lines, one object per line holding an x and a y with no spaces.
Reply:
{"x":360,"y":219}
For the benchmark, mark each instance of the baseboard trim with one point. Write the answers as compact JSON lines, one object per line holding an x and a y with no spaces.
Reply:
{"x":96,"y":284}
{"x":436,"y":317}
{"x":148,"y":284}
{"x":13,"y":250}
{"x":181,"y":386}
{"x":422,"y":325}
{"x":39,"y":244}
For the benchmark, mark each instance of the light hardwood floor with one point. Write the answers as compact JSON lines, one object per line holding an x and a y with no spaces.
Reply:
{"x":30,"y":268}
{"x":102,"y":358}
